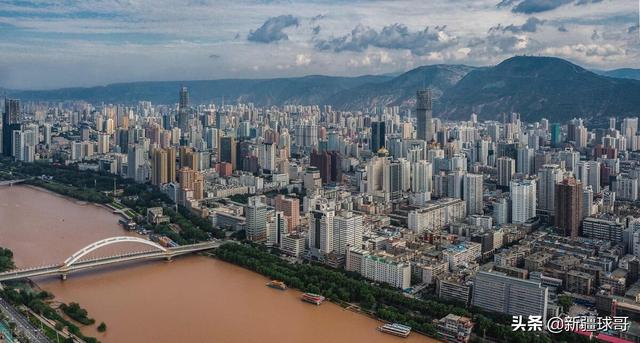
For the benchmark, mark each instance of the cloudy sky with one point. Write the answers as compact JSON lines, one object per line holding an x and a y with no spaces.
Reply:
{"x":61,"y":43}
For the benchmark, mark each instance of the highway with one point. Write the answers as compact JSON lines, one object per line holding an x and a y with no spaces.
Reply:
{"x":22,"y":323}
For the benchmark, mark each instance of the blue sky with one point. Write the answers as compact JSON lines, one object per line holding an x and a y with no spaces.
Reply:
{"x":49,"y":44}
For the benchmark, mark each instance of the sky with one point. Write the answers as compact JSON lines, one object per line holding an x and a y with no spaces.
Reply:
{"x":66,"y":43}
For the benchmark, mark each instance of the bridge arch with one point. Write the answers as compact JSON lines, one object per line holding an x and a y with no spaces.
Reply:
{"x":109,"y":241}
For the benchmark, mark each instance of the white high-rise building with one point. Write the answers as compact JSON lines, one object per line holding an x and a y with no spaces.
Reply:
{"x":46,"y":134}
{"x":473,"y":185}
{"x":525,"y":161}
{"x":256,"y":215}
{"x":589,"y":174}
{"x":18,"y":144}
{"x":523,"y":200}
{"x":455,"y":182}
{"x":135,"y":159}
{"x":347,"y":231}
{"x":103,"y":143}
{"x":276,"y":229}
{"x":269,"y":157}
{"x":587,"y":202}
{"x":421,"y":175}
{"x":571,"y":159}
{"x":405,"y":174}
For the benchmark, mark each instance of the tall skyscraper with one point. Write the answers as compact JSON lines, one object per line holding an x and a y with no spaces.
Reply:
{"x":256,"y":214}
{"x":184,"y":98}
{"x":473,"y":184}
{"x":291,"y":209}
{"x":10,"y":123}
{"x":556,"y":134}
{"x":321,"y":230}
{"x":135,"y":159}
{"x":347,"y":231}
{"x":548,"y":177}
{"x":568,"y":206}
{"x":377,"y":135}
{"x":525,"y":161}
{"x":227,"y":150}
{"x":523,"y":200}
{"x":421,"y":176}
{"x":424,"y":115}
{"x":159,"y":167}
{"x":183,"y":109}
{"x":506,"y":170}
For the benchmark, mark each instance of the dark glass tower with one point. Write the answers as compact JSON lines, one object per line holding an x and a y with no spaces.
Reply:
{"x":424,"y":115}
{"x":10,"y":123}
{"x":377,"y":135}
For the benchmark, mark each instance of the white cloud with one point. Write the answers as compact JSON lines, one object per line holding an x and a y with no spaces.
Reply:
{"x":303,"y":60}
{"x":102,"y":41}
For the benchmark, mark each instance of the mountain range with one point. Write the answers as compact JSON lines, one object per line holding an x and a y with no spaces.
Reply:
{"x":535,"y":87}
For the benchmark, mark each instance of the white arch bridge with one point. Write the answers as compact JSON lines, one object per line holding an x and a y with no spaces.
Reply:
{"x":76,"y":262}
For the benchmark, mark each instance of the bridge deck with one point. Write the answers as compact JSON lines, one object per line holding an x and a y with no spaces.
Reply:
{"x":64,"y":269}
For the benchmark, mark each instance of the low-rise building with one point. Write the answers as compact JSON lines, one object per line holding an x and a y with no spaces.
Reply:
{"x":454,"y":329}
{"x":379,"y":268}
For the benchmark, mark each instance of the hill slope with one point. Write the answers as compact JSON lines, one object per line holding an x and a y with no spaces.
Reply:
{"x":624,"y":73}
{"x":536,"y":87}
{"x":300,"y":90}
{"x":539,"y":87}
{"x":401,"y":90}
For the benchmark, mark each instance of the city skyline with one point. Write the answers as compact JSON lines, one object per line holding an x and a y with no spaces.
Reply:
{"x":51,"y":45}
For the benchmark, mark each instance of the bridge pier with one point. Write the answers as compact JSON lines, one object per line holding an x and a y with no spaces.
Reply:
{"x":63,"y":276}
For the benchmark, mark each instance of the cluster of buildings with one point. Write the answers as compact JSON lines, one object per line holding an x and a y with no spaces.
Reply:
{"x":500,"y":215}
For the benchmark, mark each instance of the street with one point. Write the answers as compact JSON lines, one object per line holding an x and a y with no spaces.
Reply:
{"x":23,"y":324}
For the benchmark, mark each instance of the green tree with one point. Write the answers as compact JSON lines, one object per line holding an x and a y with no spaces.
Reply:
{"x":102,"y":327}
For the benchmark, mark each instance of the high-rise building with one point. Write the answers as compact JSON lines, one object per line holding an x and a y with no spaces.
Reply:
{"x":103,"y":143}
{"x":227,"y":150}
{"x":570,"y":159}
{"x":587,"y":202}
{"x":46,"y":134}
{"x":377,"y":135}
{"x":525,"y":161}
{"x":276,"y":229}
{"x":568,"y":206}
{"x":506,"y":169}
{"x":184,"y":98}
{"x":473,"y":184}
{"x":321,"y":230}
{"x":163,"y":166}
{"x":291,"y":209}
{"x":556,"y":134}
{"x":269,"y":161}
{"x":421,"y":175}
{"x":589,"y":174}
{"x":10,"y":123}
{"x":256,"y":214}
{"x":497,"y":292}
{"x":135,"y":160}
{"x":523,"y":200}
{"x":159,"y":167}
{"x":424,"y":115}
{"x":347,"y":231}
{"x":548,"y":177}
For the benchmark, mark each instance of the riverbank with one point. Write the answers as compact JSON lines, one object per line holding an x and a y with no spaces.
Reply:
{"x":193,"y":298}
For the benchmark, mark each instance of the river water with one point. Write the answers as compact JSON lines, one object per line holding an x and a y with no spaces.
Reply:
{"x":192,"y":299}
